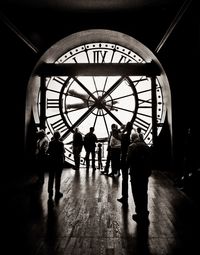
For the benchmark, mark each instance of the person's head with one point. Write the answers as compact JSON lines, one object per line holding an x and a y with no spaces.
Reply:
{"x":99,"y":145}
{"x":139,"y":130}
{"x":113,"y":126}
{"x":122,"y":127}
{"x":115,"y":133}
{"x":56,"y":135}
{"x":41,"y":133}
{"x":134,"y":137}
{"x":129,"y":126}
{"x":76,"y":130}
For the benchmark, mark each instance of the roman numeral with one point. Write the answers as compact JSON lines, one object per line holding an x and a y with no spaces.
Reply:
{"x":99,"y":56}
{"x":145,"y":103}
{"x":141,"y":123}
{"x":74,"y":58}
{"x":59,"y":80}
{"x":52,"y":103}
{"x":124,"y":59}
{"x":59,"y":125}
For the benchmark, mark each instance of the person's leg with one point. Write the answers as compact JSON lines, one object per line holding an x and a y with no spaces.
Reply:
{"x":57,"y":182}
{"x":140,"y":197}
{"x":118,"y":161}
{"x":50,"y":182}
{"x":87,"y":160}
{"x":93,"y":160}
{"x":124,"y":197}
{"x":108,"y":159}
{"x":76,"y":158}
{"x":135,"y":193}
{"x":143,"y":202}
{"x":125,"y":183}
{"x":113,"y":163}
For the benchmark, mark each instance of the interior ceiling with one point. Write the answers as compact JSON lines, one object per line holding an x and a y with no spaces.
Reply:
{"x":44,"y":22}
{"x":90,"y":4}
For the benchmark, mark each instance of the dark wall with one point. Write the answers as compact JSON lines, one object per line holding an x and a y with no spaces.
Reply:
{"x":179,"y":58}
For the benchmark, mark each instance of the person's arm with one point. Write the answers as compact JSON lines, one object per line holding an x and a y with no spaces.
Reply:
{"x":130,"y":154}
{"x":112,"y":141}
{"x":46,"y":145}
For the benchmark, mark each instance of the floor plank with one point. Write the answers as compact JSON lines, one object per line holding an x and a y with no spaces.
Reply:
{"x":89,"y":220}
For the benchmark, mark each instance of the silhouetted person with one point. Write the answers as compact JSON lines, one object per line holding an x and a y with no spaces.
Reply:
{"x":56,"y":157}
{"x":125,"y":142}
{"x":108,"y":158}
{"x":41,"y":154}
{"x":139,"y":161}
{"x":77,"y":145}
{"x":90,"y":141}
{"x":99,"y":155}
{"x":139,"y":131}
{"x":115,"y":144}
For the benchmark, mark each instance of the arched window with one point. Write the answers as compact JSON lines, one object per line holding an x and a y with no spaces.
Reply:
{"x":97,"y":78}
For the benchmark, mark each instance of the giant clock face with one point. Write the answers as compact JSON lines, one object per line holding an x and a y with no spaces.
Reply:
{"x":99,"y":101}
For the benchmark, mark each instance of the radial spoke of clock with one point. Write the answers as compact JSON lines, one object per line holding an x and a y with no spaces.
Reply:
{"x":95,"y":120}
{"x":143,"y":91}
{"x":122,"y":97}
{"x":79,"y":121}
{"x":104,"y":86}
{"x":105,"y":122}
{"x":112,"y":88}
{"x":135,"y":82}
{"x":95,"y":86}
{"x":113,"y":116}
{"x":123,"y":109}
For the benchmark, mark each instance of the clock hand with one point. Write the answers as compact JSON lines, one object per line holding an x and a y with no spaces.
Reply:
{"x":110,"y":106}
{"x":74,"y":93}
{"x":77,"y":105}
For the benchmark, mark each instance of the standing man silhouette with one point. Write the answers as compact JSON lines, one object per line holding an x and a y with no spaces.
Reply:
{"x":139,"y":161}
{"x":108,"y":158}
{"x":125,"y":142}
{"x":56,"y":156}
{"x":77,"y":145}
{"x":90,"y":141}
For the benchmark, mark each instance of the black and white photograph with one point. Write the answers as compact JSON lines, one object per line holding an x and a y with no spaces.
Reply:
{"x":100,"y":103}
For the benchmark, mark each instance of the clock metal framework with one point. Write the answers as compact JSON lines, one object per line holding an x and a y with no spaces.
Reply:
{"x":98,"y":81}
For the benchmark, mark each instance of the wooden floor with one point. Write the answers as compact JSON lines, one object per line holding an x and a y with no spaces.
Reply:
{"x":88,"y":220}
